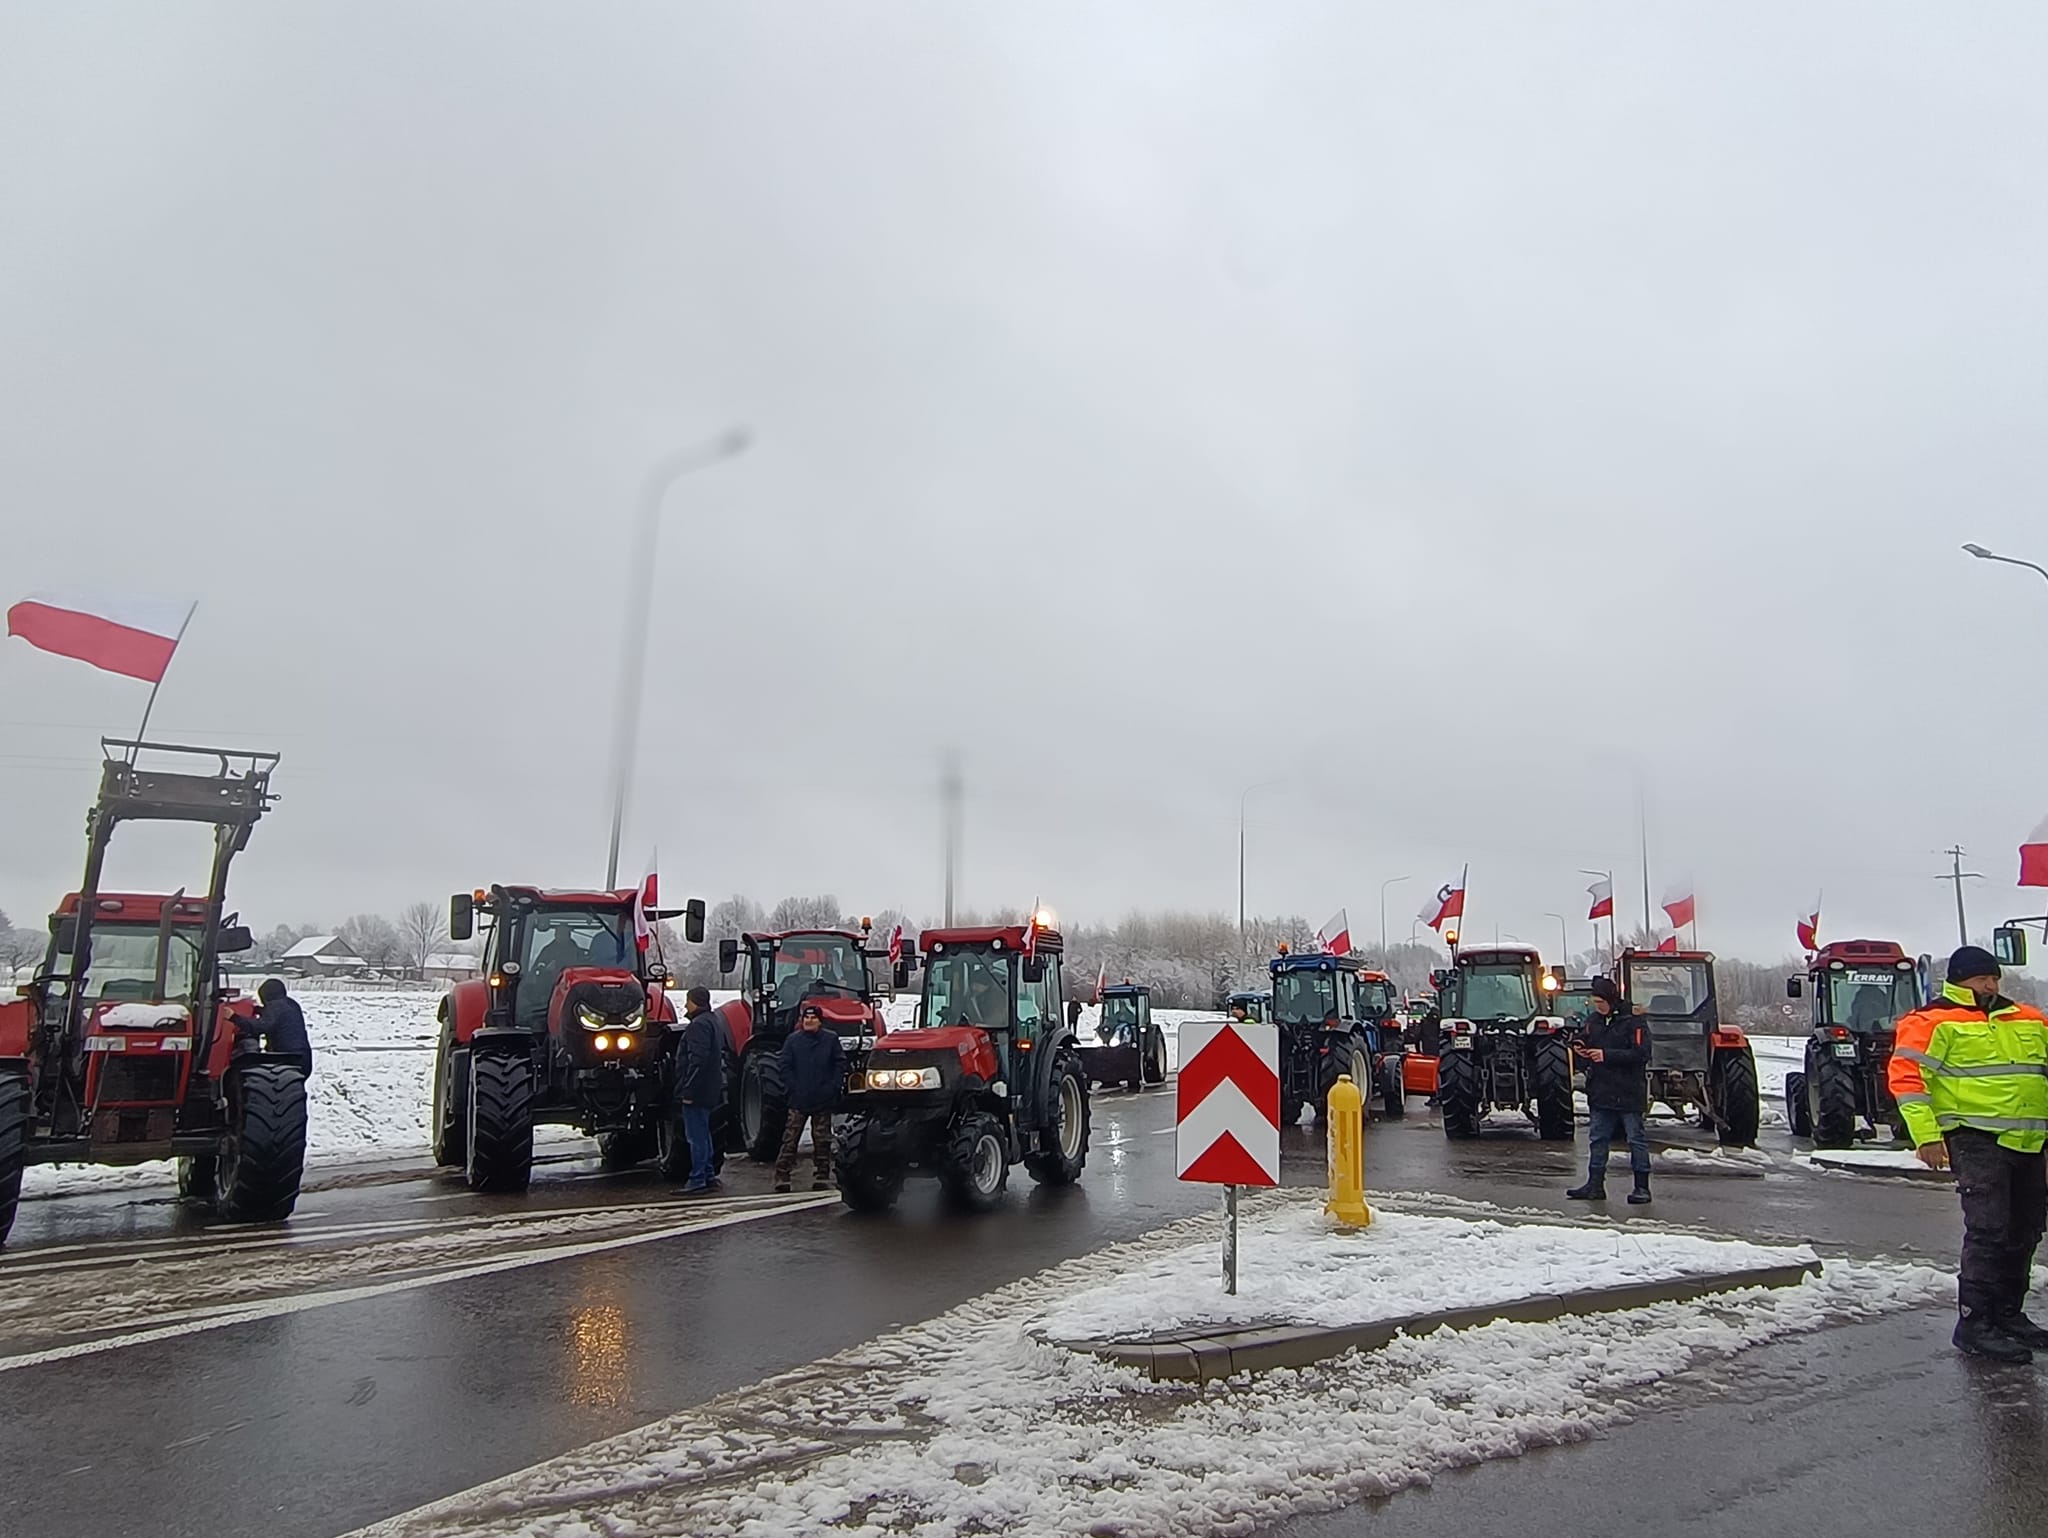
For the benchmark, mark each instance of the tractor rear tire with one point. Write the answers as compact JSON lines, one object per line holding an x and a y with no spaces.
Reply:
{"x":1550,"y":1077}
{"x":763,"y":1112}
{"x":1154,"y":1055}
{"x":1732,"y":1092}
{"x":976,"y":1167}
{"x":1798,"y":1115}
{"x":623,"y":1150}
{"x":500,"y":1123}
{"x":1457,"y":1094}
{"x":14,"y":1099}
{"x":1393,"y":1086}
{"x":1063,"y":1148}
{"x":1830,"y":1100}
{"x":867,"y":1183}
{"x":263,"y":1156}
{"x":199,"y":1179}
{"x":1349,"y":1056}
{"x":451,"y":1123}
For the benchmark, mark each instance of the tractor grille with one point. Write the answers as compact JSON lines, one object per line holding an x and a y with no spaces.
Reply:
{"x":133,"y":1079}
{"x":612,"y":1000}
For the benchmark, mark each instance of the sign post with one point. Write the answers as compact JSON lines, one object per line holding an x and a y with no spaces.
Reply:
{"x":1227,"y":1116}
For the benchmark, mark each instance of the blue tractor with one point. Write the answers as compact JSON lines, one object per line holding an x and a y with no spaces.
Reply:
{"x":1333,"y":1020}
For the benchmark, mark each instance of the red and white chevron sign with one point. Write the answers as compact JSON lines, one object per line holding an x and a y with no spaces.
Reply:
{"x":1227,"y":1114}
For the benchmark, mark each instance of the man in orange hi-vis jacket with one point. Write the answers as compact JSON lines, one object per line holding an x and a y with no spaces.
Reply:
{"x":1970,"y":1073}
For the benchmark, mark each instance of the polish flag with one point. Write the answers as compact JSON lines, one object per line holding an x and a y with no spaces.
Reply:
{"x":896,"y":947}
{"x":130,"y":636}
{"x":1602,"y":893}
{"x":1669,"y":943}
{"x":2034,"y":857}
{"x":645,"y":901}
{"x":1809,"y":926}
{"x":1448,"y":904}
{"x":1335,"y":935}
{"x":1031,"y":931}
{"x":1101,"y":979}
{"x":1678,"y":903}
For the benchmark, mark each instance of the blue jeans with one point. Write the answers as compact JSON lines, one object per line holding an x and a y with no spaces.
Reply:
{"x":697,"y":1129}
{"x":1604,"y":1126}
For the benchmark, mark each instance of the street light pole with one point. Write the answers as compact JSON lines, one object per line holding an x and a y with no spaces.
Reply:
{"x":1241,"y":800}
{"x":661,"y":475}
{"x":1564,"y":938}
{"x":2010,"y":560}
{"x":1390,"y":881}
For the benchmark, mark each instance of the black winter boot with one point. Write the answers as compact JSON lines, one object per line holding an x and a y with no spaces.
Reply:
{"x":2017,"y":1326}
{"x":1640,"y":1196}
{"x":1978,"y":1334}
{"x":1594,"y":1190}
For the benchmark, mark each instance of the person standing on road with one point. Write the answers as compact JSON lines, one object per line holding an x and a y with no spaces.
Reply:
{"x":279,"y":1026}
{"x":700,"y":1086}
{"x":1617,"y":1053}
{"x":1969,"y":1070}
{"x":813,"y":1079}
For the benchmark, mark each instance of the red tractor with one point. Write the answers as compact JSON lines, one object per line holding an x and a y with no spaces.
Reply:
{"x":571,"y":1023}
{"x":122,"y":1048}
{"x":1696,"y":1062}
{"x":830,"y":968}
{"x":1860,"y":989}
{"x":990,"y":1076}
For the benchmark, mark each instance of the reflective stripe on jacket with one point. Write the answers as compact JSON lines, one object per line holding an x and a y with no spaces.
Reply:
{"x":1957,"y":1064}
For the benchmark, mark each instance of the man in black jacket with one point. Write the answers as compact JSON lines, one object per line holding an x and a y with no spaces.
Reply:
{"x":1616,"y":1051}
{"x":813,"y":1077}
{"x":700,"y":1086}
{"x":280,"y":1026}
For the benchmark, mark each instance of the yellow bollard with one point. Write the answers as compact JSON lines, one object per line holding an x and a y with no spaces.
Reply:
{"x":1347,"y":1155}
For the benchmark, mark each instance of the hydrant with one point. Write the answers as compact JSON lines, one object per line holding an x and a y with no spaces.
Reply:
{"x":1347,"y":1155}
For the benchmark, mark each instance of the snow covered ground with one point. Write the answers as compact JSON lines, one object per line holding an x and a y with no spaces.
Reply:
{"x":1296,"y":1266}
{"x":970,"y":1423}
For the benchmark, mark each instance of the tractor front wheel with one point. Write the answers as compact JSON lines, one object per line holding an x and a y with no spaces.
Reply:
{"x":1798,"y":1115}
{"x":1394,"y":1085}
{"x":763,"y":1112}
{"x":500,"y":1122}
{"x":451,"y":1125}
{"x":1830,"y":1099}
{"x":976,"y":1170}
{"x":867,"y":1182}
{"x":1063,"y":1145}
{"x":1550,"y":1076}
{"x":1732,"y":1092}
{"x":14,"y":1099}
{"x":1457,"y":1094}
{"x":263,"y":1156}
{"x":1154,"y":1055}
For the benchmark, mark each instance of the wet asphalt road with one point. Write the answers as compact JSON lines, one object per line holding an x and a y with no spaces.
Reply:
{"x":315,"y":1422}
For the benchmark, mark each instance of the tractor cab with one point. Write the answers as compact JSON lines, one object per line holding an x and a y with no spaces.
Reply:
{"x":1258,"y":1007}
{"x":555,"y":961}
{"x":1858,"y":989}
{"x":1128,"y":1048}
{"x":831,"y":969}
{"x":990,"y":1075}
{"x":1334,"y":1019}
{"x":1503,"y":1045}
{"x":1696,"y":1062}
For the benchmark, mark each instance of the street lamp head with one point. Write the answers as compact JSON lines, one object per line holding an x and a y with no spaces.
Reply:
{"x":1980,"y":552}
{"x":734,"y":440}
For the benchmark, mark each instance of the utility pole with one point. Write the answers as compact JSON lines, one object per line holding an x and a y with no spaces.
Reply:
{"x":950,"y":790}
{"x":1958,"y":875}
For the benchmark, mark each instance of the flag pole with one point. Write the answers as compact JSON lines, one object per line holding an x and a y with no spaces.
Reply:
{"x":142,"y":731}
{"x":1643,"y":832}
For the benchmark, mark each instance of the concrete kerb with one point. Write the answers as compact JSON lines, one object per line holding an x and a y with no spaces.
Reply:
{"x":1207,"y":1356}
{"x":1821,"y":1158}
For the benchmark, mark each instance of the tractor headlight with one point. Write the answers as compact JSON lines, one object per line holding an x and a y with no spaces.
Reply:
{"x":903,"y":1078}
{"x":590,"y":1020}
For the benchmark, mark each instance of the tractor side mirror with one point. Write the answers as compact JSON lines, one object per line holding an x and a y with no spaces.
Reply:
{"x":2009,"y":945}
{"x":728,"y":956}
{"x":1794,"y":988}
{"x":1440,"y":978}
{"x":1034,"y":969}
{"x":693,"y":921}
{"x":1557,"y":977}
{"x":66,"y":931}
{"x":461,"y":916}
{"x":234,"y":940}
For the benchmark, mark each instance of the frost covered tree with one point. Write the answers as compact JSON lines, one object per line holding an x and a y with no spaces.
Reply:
{"x":424,"y":927}
{"x":373,"y":938}
{"x":821,"y":912}
{"x":20,"y":947}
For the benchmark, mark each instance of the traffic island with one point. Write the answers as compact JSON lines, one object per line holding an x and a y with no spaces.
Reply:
{"x":1310,"y":1290}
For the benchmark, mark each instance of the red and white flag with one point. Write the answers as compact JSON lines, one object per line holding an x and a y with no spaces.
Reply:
{"x":1668,"y":942}
{"x":1031,"y":930}
{"x":1602,"y":893}
{"x":1101,"y":979}
{"x":645,"y":901}
{"x":1678,"y":903}
{"x":896,"y":947}
{"x":2034,"y":857}
{"x":1335,"y":935}
{"x":134,"y":637}
{"x":1448,"y":904}
{"x":1808,"y":927}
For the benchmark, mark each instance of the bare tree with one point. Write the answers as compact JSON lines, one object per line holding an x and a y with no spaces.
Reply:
{"x":21,"y":948}
{"x":373,"y":938}
{"x":423,"y":926}
{"x":806,"y":913}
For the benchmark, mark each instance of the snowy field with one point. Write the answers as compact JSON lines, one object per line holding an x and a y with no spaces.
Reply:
{"x":1296,"y":1266}
{"x":972,"y":1423}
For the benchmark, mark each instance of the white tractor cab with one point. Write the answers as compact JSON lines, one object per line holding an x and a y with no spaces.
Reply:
{"x":1505,"y":1044}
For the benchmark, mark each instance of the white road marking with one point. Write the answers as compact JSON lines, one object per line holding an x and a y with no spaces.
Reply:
{"x":275,"y":1308}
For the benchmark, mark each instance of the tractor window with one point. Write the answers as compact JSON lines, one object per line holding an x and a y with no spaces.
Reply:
{"x":1870,"y":998}
{"x":1496,"y":993}
{"x":1038,"y":1003}
{"x":1375,"y":999}
{"x":1667,"y":987}
{"x":1120,"y":1020}
{"x":968,"y":987}
{"x":558,"y":939}
{"x":810,"y":965}
{"x":1304,"y":997}
{"x":124,"y":963}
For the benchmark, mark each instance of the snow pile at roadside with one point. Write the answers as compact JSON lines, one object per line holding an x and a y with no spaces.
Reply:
{"x":1879,"y":1161}
{"x":967,"y":1424}
{"x":1295,"y":1266}
{"x":1752,"y":1163}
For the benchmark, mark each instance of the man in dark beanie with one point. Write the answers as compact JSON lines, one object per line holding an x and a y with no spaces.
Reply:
{"x":1970,"y":1073}
{"x":1616,"y":1051}
{"x":700,"y":1085}
{"x":279,"y":1026}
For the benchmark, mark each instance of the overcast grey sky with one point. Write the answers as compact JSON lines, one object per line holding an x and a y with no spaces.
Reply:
{"x":1440,"y":409}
